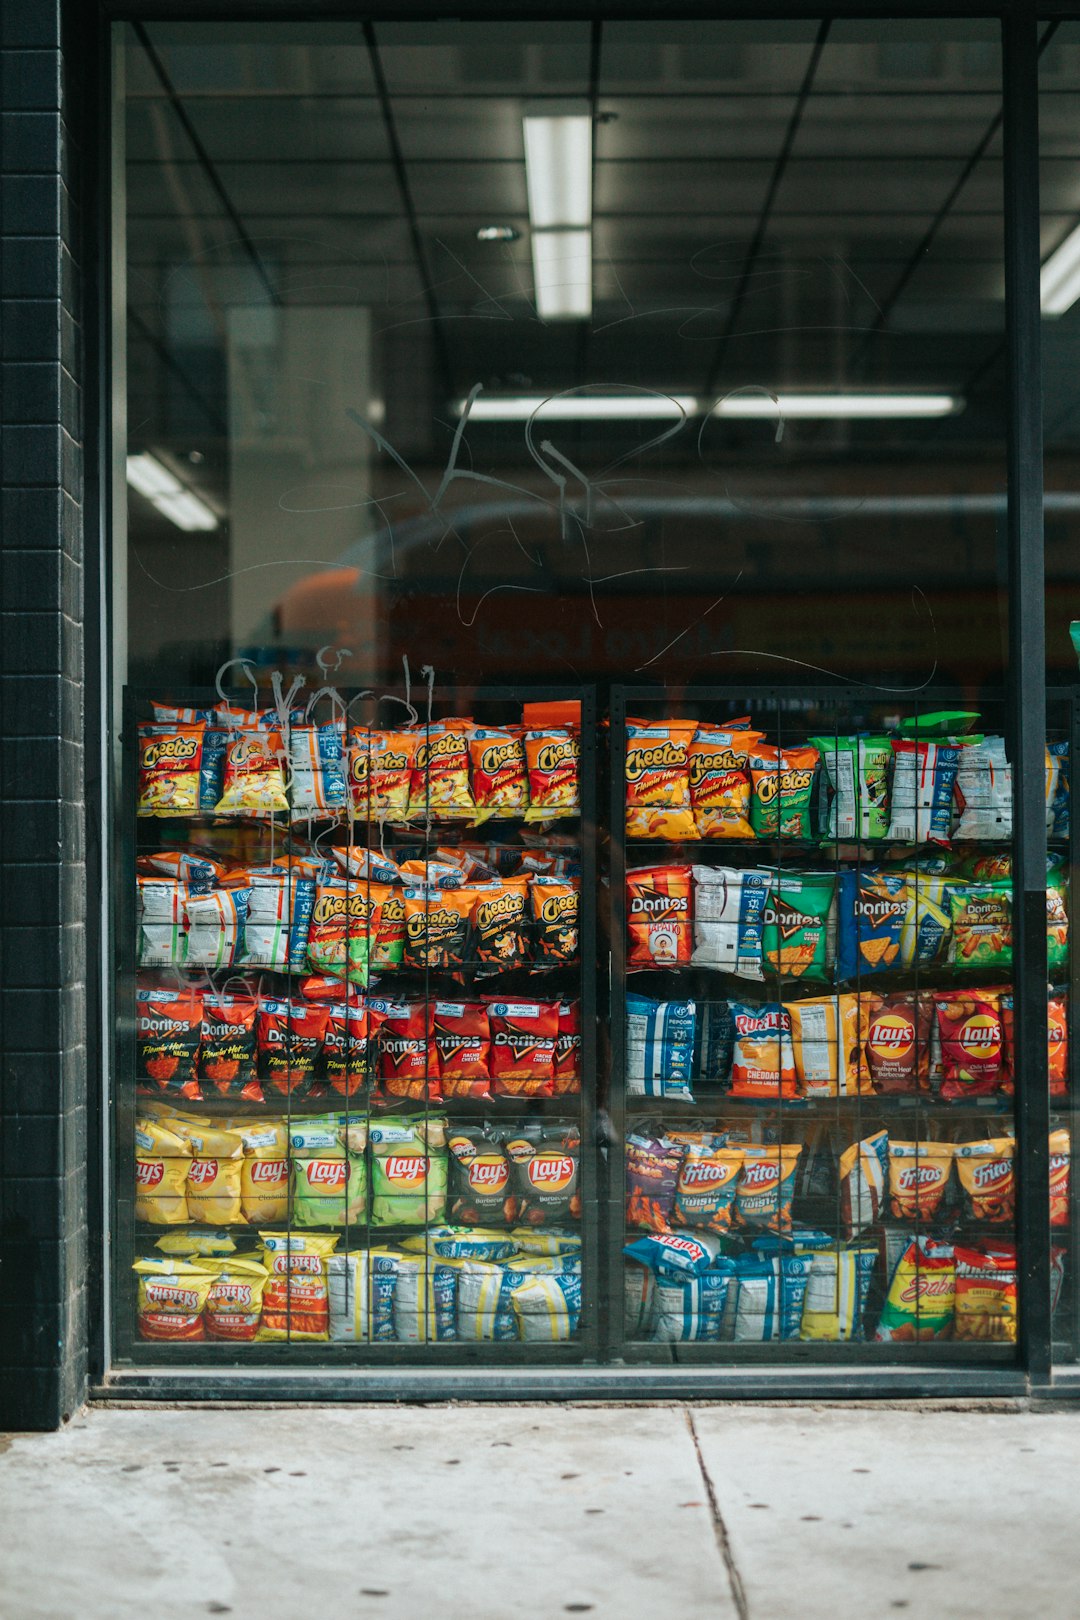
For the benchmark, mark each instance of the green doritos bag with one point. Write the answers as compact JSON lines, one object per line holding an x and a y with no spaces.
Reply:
{"x":408,"y":1172}
{"x":981,"y":925}
{"x":795,"y":937}
{"x":1057,"y":924}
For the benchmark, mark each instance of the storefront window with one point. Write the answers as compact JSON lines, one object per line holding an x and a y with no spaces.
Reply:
{"x":565,"y":840}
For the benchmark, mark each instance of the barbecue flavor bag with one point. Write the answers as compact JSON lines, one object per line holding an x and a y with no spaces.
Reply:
{"x":479,"y":1192}
{"x":544,"y":1169}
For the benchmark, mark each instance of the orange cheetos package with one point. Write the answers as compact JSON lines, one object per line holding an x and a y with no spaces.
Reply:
{"x":658,"y":779}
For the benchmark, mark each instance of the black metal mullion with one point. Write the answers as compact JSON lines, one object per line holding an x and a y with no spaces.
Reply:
{"x":1027,"y":686}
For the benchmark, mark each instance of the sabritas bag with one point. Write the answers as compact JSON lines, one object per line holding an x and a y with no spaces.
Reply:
{"x":922,"y":1294}
{"x":658,"y":779}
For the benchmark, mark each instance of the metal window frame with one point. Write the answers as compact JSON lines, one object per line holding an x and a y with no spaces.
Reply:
{"x":105,"y":431}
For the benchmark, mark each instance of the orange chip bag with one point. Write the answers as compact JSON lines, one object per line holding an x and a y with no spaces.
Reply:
{"x":254,"y":775}
{"x":552,"y":761}
{"x":1057,"y":1045}
{"x":437,"y":927}
{"x":826,"y":1036}
{"x":554,"y":908}
{"x":658,"y":779}
{"x":1060,"y":1155}
{"x":439,"y":785}
{"x":388,"y":947}
{"x":986,"y":1294}
{"x":380,"y":773}
{"x":762,"y":1061}
{"x":500,"y":781}
{"x":170,"y":758}
{"x":918,"y":1176}
{"x":987,"y":1176}
{"x":296,"y":1298}
{"x":720,"y":784}
{"x":658,"y":916}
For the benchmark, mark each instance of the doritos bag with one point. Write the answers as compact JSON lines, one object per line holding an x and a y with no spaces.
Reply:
{"x":162,"y":1162}
{"x":479,"y":1178}
{"x":544,"y":1165}
{"x":729,"y":915}
{"x":987,"y":1178}
{"x":169,"y":762}
{"x":981,"y":925}
{"x":783,"y":790}
{"x":972,"y":1043}
{"x":524,"y":1036}
{"x":766,"y":1185}
{"x":295,"y":1296}
{"x":500,"y":782}
{"x":658,"y":916}
{"x":762,"y":1063}
{"x":352,"y":1030}
{"x":227,"y":1054}
{"x":918,"y":1175}
{"x":898,"y":1042}
{"x":168,"y":1030}
{"x":568,"y":1050}
{"x":826,"y":1041}
{"x":658,"y":780}
{"x":986,"y":1294}
{"x":795,"y":933}
{"x":462,"y":1032}
{"x":289,"y":1038}
{"x":172,"y":1297}
{"x":553,"y":904}
{"x":500,"y":925}
{"x":922,"y":1294}
{"x":254,"y":775}
{"x":380,"y":773}
{"x":343,"y":920}
{"x":872,"y":908}
{"x":408,"y":1064}
{"x":708,"y":1177}
{"x":718,"y":760}
{"x":551,"y":758}
{"x":437,"y":927}
{"x":440,"y":784}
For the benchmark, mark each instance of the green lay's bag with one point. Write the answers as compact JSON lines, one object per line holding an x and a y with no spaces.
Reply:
{"x":795,"y":936}
{"x":408,"y":1172}
{"x":858,"y":776}
{"x":329,"y":1172}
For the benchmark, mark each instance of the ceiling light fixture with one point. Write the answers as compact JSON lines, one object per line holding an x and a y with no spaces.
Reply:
{"x":579,"y":407}
{"x":151,"y":478}
{"x":497,"y":233}
{"x":1059,"y":279}
{"x":643,"y":405}
{"x":839,"y":405}
{"x":558,"y":176}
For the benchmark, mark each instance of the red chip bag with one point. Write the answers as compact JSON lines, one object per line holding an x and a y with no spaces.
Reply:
{"x":568,"y":1050}
{"x":658,"y":917}
{"x":380,"y":771}
{"x":552,"y":760}
{"x":1060,"y":1158}
{"x":408,"y":1064}
{"x":972,"y":1042}
{"x":463,"y":1042}
{"x":289,"y":1038}
{"x":898,"y":1042}
{"x":349,"y":1046}
{"x":168,"y":1029}
{"x":524,"y":1035}
{"x":499,"y":780}
{"x":1057,"y":1045}
{"x":227,"y":1057}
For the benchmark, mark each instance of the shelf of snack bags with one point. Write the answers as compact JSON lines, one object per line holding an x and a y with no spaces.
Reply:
{"x":396,"y":969}
{"x":1063,"y":739}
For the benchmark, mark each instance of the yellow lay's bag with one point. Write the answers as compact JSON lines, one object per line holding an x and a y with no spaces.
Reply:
{"x":162,"y":1162}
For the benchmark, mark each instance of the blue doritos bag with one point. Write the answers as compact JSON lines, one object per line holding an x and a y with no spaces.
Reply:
{"x":872,"y":910}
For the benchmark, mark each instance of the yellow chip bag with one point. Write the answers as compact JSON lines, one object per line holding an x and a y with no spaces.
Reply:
{"x":234,"y":1303}
{"x":196,"y":1245}
{"x":162,"y":1162}
{"x":827,"y":1037}
{"x":172,"y":1296}
{"x":439,"y":784}
{"x":254,"y":775}
{"x":918,"y":1175}
{"x":296,"y":1297}
{"x":658,"y":779}
{"x":170,"y":758}
{"x":213,"y":1183}
{"x":264,"y":1173}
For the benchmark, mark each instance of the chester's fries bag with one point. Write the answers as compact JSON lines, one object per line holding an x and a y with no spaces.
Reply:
{"x":922,"y":1294}
{"x":986,"y":1294}
{"x":659,"y":1047}
{"x":762,"y":1061}
{"x":705,"y":1194}
{"x":344,"y":919}
{"x":162,"y":1162}
{"x":296,"y":1301}
{"x":500,"y":925}
{"x":835,"y":1303}
{"x":264,"y":1172}
{"x":730,"y":907}
{"x":170,"y":758}
{"x":658,"y":779}
{"x":254,"y":775}
{"x":551,"y":758}
{"x":897,"y":1045}
{"x":168,"y":1030}
{"x":858,"y":777}
{"x":658,"y":916}
{"x":864,"y":1178}
{"x":783,"y":791}
{"x":329,"y":1173}
{"x":227,"y":1053}
{"x":479,"y":1178}
{"x":918,"y":1176}
{"x":318,"y":772}
{"x":720,"y":786}
{"x":437,"y":927}
{"x":289,"y":1038}
{"x":553,"y":907}
{"x":439,"y":785}
{"x":380,"y":767}
{"x":524,"y":1037}
{"x":172,"y":1298}
{"x":766,"y":1186}
{"x":972,"y":1043}
{"x":500,"y":781}
{"x":981,"y":926}
{"x":1060,"y":1156}
{"x":924,"y":775}
{"x":872,"y":908}
{"x":795,"y":935}
{"x":408,"y":1172}
{"x":826,"y":1040}
{"x":233,"y":1307}
{"x":408,"y":1064}
{"x":652,"y":1175}
{"x":988,"y":1180}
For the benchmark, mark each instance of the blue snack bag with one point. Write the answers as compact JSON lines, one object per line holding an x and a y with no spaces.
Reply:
{"x":675,"y":1254}
{"x":692,"y":1310}
{"x":660,"y":1047}
{"x":872,"y":909}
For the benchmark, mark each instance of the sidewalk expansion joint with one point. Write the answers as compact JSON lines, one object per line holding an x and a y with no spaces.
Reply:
{"x":738,"y":1592}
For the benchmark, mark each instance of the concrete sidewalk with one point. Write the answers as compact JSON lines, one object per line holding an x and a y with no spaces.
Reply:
{"x":534,"y":1512}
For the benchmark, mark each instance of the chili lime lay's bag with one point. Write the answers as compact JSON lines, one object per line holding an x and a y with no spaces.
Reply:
{"x":783,"y":791}
{"x":826,"y":1041}
{"x":172,"y":1298}
{"x":873,"y":907}
{"x":708,"y":1178}
{"x":795,"y":933}
{"x":720,"y":784}
{"x":730,"y":907}
{"x":658,"y":780}
{"x":658,"y":916}
{"x":169,"y":763}
{"x":500,"y":780}
{"x":552,"y":761}
{"x":986,"y":1293}
{"x":766,"y":1185}
{"x":981,"y":926}
{"x":1057,"y":1044}
{"x":987,"y":1178}
{"x":762,"y":1061}
{"x":296,"y":1299}
{"x":918,"y":1176}
{"x":408,"y":1171}
{"x":858,"y":775}
{"x":924,"y":774}
{"x":864,"y":1179}
{"x":921,"y":1298}
{"x":972,"y":1043}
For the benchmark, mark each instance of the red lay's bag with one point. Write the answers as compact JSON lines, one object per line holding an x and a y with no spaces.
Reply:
{"x":289,"y":1038}
{"x":463,"y":1042}
{"x":568,"y":1050}
{"x":658,"y":916}
{"x":408,"y":1063}
{"x":898,"y":1042}
{"x":524,"y":1035}
{"x":972,"y":1043}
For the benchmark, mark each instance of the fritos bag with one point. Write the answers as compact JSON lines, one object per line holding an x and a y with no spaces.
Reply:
{"x":922,"y":1294}
{"x":437,"y":927}
{"x":500,"y":781}
{"x":553,"y":904}
{"x":898,"y":1042}
{"x":551,"y":758}
{"x":296,"y":1301}
{"x":544,"y":1165}
{"x":500,"y":924}
{"x":762,"y":1062}
{"x":479,"y":1178}
{"x":658,"y":779}
{"x":1060,"y":1157}
{"x":254,"y":775}
{"x":826,"y":1041}
{"x":289,"y":1039}
{"x":168,"y":1030}
{"x":227,"y":1054}
{"x":169,"y":762}
{"x":652,"y":1175}
{"x":233,"y":1307}
{"x":658,"y":916}
{"x":987,"y":1178}
{"x":439,"y":785}
{"x":986,"y":1294}
{"x":766,"y":1186}
{"x":918,"y":1175}
{"x":795,"y":935}
{"x":408,"y":1064}
{"x":729,"y":916}
{"x":462,"y":1032}
{"x":708,"y":1177}
{"x":972,"y":1042}
{"x":720,"y":788}
{"x":783,"y":790}
{"x":162,"y":1162}
{"x":172,"y":1298}
{"x":264,"y":1172}
{"x":380,"y":773}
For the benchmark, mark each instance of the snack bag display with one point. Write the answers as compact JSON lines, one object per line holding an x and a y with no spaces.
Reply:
{"x":553,"y":909}
{"x":500,"y":925}
{"x":826,"y":1042}
{"x":921,"y":1297}
{"x":408,"y":1171}
{"x":986,"y":1294}
{"x":924,"y":775}
{"x":705,"y":1192}
{"x":568,"y":1050}
{"x":858,"y":776}
{"x":872,"y":907}
{"x":289,"y":1038}
{"x":918,"y":1175}
{"x":652,"y":1175}
{"x":462,"y":1033}
{"x":168,"y":1032}
{"x":720,"y":786}
{"x":551,"y":758}
{"x":479,"y":1178}
{"x":972,"y":1042}
{"x":264,"y":1171}
{"x":987,"y":1177}
{"x":254,"y":775}
{"x":795,"y":935}
{"x":659,"y":1047}
{"x":762,"y":1061}
{"x":227,"y":1052}
{"x":783,"y":789}
{"x":766,"y":1185}
{"x":296,"y":1297}
{"x":170,"y":758}
{"x":349,"y":1045}
{"x":658,"y":779}
{"x":730,"y":908}
{"x":898,"y":1042}
{"x":318,"y":785}
{"x":983,"y":791}
{"x":864,"y":1177}
{"x":162,"y":920}
{"x":676,"y":1254}
{"x":439,"y":785}
{"x":1060,"y":1157}
{"x":658,"y":916}
{"x":981,"y":926}
{"x":524,"y":1036}
{"x":437,"y":927}
{"x":233,"y":1307}
{"x":172,"y":1296}
{"x":544,"y":1169}
{"x":343,"y":919}
{"x":408,"y":1064}
{"x":162,"y":1162}
{"x":329,"y":1172}
{"x":500,"y":780}
{"x":834,"y":1307}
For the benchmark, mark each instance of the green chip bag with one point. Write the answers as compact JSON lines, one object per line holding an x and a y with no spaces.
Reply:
{"x":783,"y":790}
{"x":408,"y":1172}
{"x":981,"y":925}
{"x":329,"y":1172}
{"x":1057,"y":926}
{"x":858,"y":774}
{"x":795,"y":937}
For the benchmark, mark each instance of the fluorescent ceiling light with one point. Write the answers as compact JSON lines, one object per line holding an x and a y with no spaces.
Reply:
{"x":562,"y":274}
{"x":558,"y":165}
{"x":1059,"y":280}
{"x":838,"y":405}
{"x":150,"y":477}
{"x":578,"y":407}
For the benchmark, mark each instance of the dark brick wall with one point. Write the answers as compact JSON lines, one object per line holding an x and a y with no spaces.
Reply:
{"x":44,"y":1249}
